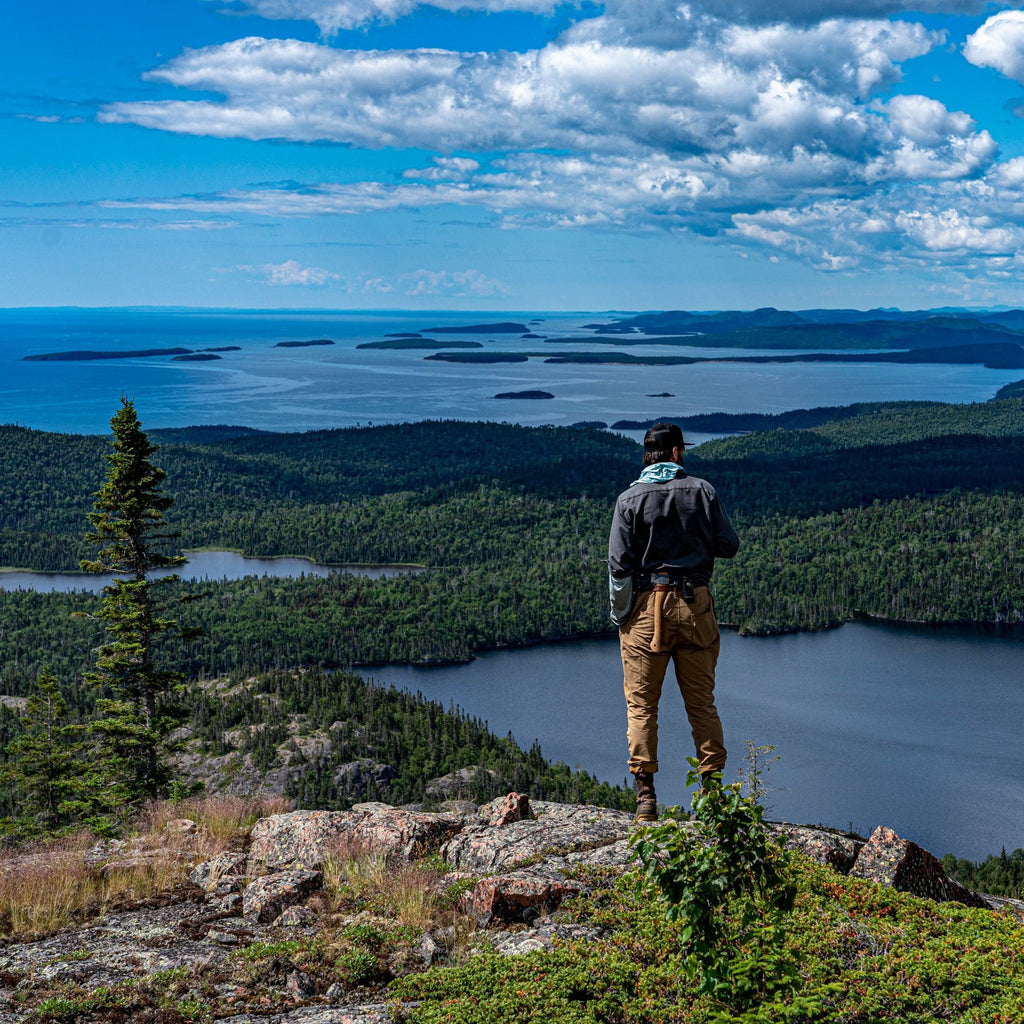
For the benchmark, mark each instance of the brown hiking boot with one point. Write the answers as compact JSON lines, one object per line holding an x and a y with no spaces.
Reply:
{"x":646,"y":801}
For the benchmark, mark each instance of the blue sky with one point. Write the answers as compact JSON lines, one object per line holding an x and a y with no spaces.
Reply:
{"x":512,"y":154}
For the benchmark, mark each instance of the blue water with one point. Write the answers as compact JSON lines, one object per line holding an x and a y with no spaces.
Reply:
{"x":201,"y":565}
{"x":918,"y":730}
{"x":339,"y":385}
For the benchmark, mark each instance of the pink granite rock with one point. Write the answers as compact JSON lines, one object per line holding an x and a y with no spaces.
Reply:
{"x":210,"y":872}
{"x":307,"y":838}
{"x":903,"y":865}
{"x":266,"y":898}
{"x":519,"y":896}
{"x":506,"y":809}
{"x":557,"y":827}
{"x":834,"y":849}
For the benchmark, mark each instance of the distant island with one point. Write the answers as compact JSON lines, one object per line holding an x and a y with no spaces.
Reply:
{"x":196,"y":357}
{"x":662,"y":394}
{"x":404,"y":334}
{"x":223,"y":348}
{"x":304,"y":344}
{"x":999,"y":355}
{"x":479,"y":357}
{"x":503,"y":328}
{"x":417,"y":341}
{"x":525,"y":394}
{"x":86,"y":354}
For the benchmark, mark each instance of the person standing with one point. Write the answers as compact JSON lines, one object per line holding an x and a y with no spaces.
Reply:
{"x":667,"y":530}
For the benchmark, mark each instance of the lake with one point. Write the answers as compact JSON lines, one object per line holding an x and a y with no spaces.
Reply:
{"x":342,"y":386}
{"x":201,"y":565}
{"x":873,"y":725}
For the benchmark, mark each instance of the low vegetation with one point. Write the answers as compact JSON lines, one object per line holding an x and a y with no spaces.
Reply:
{"x":704,"y":932}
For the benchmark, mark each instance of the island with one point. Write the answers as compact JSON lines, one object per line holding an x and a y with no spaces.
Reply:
{"x":418,"y":341}
{"x":304,"y":344}
{"x":223,"y":348}
{"x":503,"y":328}
{"x":196,"y":357}
{"x":662,"y":394}
{"x":525,"y":394}
{"x":88,"y":354}
{"x":479,"y":357}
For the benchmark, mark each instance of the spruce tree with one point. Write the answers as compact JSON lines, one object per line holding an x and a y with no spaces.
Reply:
{"x":137,"y":709}
{"x":44,"y":770}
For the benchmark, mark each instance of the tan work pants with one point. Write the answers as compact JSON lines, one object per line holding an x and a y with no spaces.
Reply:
{"x":691,"y":641}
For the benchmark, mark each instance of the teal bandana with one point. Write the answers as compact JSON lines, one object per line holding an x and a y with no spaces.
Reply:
{"x":659,"y":473}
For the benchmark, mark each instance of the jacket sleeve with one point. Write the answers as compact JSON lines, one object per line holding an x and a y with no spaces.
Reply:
{"x":621,"y":559}
{"x":620,"y":568}
{"x":727,"y":541}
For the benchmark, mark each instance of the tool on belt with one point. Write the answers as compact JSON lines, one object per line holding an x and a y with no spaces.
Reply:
{"x":660,"y":590}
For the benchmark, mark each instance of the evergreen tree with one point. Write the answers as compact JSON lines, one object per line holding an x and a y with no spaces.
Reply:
{"x":44,"y":770}
{"x":137,"y":709}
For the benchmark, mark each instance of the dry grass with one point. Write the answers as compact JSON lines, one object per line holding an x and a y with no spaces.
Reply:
{"x":44,"y":889}
{"x":46,"y":886}
{"x":218,"y":817}
{"x":408,"y":893}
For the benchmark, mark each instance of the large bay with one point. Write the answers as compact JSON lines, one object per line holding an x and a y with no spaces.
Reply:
{"x":873,"y":725}
{"x":340,"y":385}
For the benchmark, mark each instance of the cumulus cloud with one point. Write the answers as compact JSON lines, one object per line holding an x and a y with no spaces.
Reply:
{"x":974,"y":226}
{"x":780,"y":127}
{"x":290,"y":273}
{"x":332,"y":15}
{"x":455,"y":283}
{"x":768,"y":91}
{"x":999,"y":44}
{"x":650,"y":17}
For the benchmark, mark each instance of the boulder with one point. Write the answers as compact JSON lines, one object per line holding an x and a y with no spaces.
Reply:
{"x":835,"y":849}
{"x":557,"y":827}
{"x":543,"y":938}
{"x":266,"y":898}
{"x":308,"y":838}
{"x":506,"y":809}
{"x":208,"y":874}
{"x":904,"y":865}
{"x":520,"y":896}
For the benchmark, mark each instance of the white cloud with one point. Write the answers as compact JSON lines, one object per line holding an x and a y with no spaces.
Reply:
{"x":647,"y":18}
{"x":999,"y":44}
{"x":755,"y":123}
{"x":455,"y":283}
{"x":290,"y":273}
{"x":332,"y":15}
{"x":579,"y":96}
{"x":446,"y":168}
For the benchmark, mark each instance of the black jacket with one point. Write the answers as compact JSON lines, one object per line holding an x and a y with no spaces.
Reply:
{"x":676,"y":528}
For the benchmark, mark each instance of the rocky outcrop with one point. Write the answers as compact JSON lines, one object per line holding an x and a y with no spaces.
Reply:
{"x":308,"y":838}
{"x":556,"y":828}
{"x":838,"y":850}
{"x":464,"y":782}
{"x":265,"y":898}
{"x":357,"y":777}
{"x":516,"y":897}
{"x":514,"y":860}
{"x":889,"y":860}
